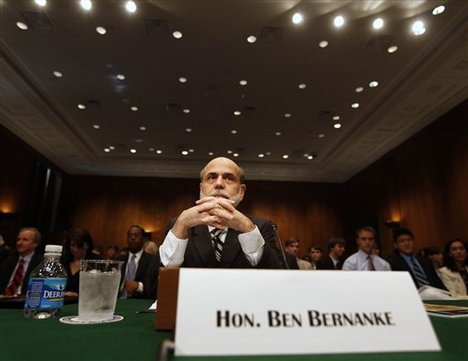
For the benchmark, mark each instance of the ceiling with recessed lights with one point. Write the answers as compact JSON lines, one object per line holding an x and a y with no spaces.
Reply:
{"x":292,"y":90}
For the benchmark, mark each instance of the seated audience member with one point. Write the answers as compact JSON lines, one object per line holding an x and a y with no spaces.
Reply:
{"x":292,"y":247}
{"x":97,"y":251}
{"x":434,"y":255}
{"x":403,"y":259}
{"x":315,"y":255}
{"x":364,"y":259}
{"x":136,"y":264}
{"x":112,"y":252}
{"x":78,"y":246}
{"x":16,"y":268}
{"x":336,"y":249}
{"x":4,"y":249}
{"x":213,"y":233}
{"x":150,"y":247}
{"x":454,"y":274}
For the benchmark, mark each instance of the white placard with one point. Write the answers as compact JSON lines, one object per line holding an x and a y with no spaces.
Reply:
{"x":278,"y":312}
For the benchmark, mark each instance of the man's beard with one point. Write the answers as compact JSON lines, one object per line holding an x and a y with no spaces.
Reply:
{"x":221,"y":193}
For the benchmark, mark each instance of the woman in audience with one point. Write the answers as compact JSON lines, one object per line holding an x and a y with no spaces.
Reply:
{"x":454,"y":274}
{"x":78,"y":246}
{"x":435,"y":255}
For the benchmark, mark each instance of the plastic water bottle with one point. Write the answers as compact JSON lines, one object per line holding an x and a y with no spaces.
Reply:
{"x":46,"y":287}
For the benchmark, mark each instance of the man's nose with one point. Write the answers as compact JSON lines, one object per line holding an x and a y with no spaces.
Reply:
{"x":219,"y":182}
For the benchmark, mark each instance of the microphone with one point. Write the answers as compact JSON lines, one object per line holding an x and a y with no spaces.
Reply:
{"x":277,"y":237}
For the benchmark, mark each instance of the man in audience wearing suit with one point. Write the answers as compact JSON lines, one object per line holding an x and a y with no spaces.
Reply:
{"x":15,"y":270}
{"x":404,"y":259}
{"x":136,"y":265}
{"x":336,"y":249}
{"x":213,"y":233}
{"x":364,"y":259}
{"x":292,"y":247}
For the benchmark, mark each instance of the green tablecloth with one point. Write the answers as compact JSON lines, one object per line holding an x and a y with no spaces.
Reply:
{"x":135,"y":339}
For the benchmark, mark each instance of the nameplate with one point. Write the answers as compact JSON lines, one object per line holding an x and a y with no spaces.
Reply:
{"x":286,"y":312}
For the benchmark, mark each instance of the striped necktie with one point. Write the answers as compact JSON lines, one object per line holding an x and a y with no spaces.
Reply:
{"x":217,"y":243}
{"x":131,"y":268}
{"x":421,"y":278}
{"x":12,"y":289}
{"x":370,"y":264}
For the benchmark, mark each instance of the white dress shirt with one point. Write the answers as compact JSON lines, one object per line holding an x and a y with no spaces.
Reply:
{"x":359,"y":261}
{"x":172,"y":250}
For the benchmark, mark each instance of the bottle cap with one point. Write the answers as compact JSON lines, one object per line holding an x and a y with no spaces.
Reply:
{"x":53,"y":248}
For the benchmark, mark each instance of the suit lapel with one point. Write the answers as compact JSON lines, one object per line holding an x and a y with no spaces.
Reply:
{"x":201,"y":239}
{"x":231,"y":247}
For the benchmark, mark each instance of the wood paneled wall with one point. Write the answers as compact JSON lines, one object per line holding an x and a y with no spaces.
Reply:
{"x":422,"y":184}
{"x":107,"y":206}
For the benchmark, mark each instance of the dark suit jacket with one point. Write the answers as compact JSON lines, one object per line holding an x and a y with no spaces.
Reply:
{"x":398,"y":263}
{"x":7,"y":267}
{"x":200,"y":252}
{"x":327,"y":263}
{"x":141,"y":271}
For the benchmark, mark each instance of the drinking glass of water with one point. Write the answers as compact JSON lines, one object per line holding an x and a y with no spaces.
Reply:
{"x":99,"y":286}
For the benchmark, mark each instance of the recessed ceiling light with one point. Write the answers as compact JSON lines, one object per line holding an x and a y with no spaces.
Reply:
{"x":302,"y":86}
{"x":336,"y":117}
{"x":321,"y":135}
{"x":133,"y":150}
{"x":96,"y":126}
{"x":338,"y":21}
{"x":268,"y":153}
{"x":21,"y":25}
{"x":41,"y":2}
{"x":182,"y":79}
{"x":120,"y":76}
{"x":130,"y":6}
{"x":306,"y":155}
{"x":243,"y":82}
{"x":355,"y":105}
{"x":142,"y":128}
{"x":287,"y":115}
{"x":359,"y":89}
{"x":185,"y":152}
{"x":210,"y":153}
{"x":107,"y":150}
{"x":337,"y":125}
{"x":277,"y":134}
{"x":188,"y":130}
{"x":139,"y":140}
{"x":235,"y":154}
{"x":251,"y":39}
{"x":374,"y":84}
{"x":233,"y":131}
{"x":151,"y":149}
{"x":86,"y":4}
{"x":177,"y":34}
{"x":159,"y":151}
{"x":57,"y":74}
{"x":186,"y":110}
{"x":81,"y":106}
{"x":134,"y":108}
{"x":101,"y":30}
{"x":323,"y":44}
{"x":111,"y":147}
{"x":285,"y":156}
{"x":378,"y":24}
{"x":297,"y":18}
{"x":438,"y":10}
{"x":392,"y":49}
{"x":229,"y":151}
{"x":310,"y":157}
{"x":191,"y":150}
{"x":261,"y":155}
{"x":237,"y":112}
{"x":418,"y":28}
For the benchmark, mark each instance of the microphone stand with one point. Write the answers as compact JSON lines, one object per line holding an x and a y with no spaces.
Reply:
{"x":286,"y":265}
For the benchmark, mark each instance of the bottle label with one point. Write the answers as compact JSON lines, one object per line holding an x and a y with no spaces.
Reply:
{"x":45,"y":293}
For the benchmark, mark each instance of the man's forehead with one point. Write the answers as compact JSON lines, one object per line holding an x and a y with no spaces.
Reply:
{"x":221,"y":166}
